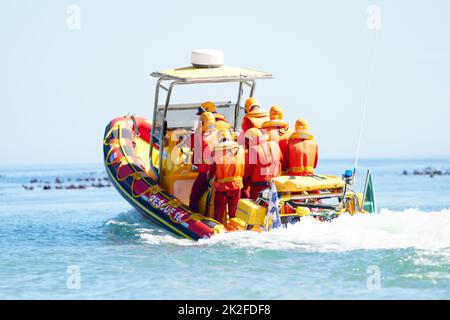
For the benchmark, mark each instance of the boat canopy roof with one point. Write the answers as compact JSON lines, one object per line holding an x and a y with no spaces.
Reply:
{"x":223,"y":73}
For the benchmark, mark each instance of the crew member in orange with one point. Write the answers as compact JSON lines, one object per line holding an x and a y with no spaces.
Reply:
{"x":254,"y":117}
{"x":227,"y":171}
{"x":221,"y":121}
{"x":202,"y":158}
{"x":277,"y":129}
{"x":263,"y":162}
{"x":302,"y":151}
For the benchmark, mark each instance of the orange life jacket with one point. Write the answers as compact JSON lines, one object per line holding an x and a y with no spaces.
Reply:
{"x":279,"y":133}
{"x":254,"y":119}
{"x":221,"y":122}
{"x":230,"y":167}
{"x":302,"y":156}
{"x":267,"y":157}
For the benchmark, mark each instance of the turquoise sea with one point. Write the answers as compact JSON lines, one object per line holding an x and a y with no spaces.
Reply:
{"x":70,"y":243}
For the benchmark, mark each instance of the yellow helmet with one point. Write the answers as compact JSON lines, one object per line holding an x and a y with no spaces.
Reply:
{"x":209,"y":106}
{"x":250,"y":102}
{"x":253,"y":133}
{"x":301,"y":125}
{"x":276,"y":113}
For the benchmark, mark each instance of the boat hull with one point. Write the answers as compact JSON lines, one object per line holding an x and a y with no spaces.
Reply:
{"x":126,"y":167}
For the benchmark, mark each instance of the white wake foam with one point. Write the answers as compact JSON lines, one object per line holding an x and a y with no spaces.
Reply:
{"x":410,"y":228}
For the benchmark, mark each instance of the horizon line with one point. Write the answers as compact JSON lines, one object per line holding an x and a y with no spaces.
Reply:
{"x":403,"y":158}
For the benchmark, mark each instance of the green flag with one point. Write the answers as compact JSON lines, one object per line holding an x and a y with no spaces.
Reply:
{"x":369,"y":195}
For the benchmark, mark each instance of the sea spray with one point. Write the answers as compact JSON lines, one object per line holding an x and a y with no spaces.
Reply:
{"x":388,"y":229}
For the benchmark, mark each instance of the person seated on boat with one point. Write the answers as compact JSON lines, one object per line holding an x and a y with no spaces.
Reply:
{"x":202,"y":158}
{"x":302,"y":151}
{"x":277,"y":129}
{"x":254,"y":117}
{"x":227,"y":171}
{"x":221,"y":121}
{"x":263,"y":161}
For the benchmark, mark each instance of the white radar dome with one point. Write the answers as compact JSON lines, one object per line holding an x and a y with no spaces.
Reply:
{"x":207,"y":58}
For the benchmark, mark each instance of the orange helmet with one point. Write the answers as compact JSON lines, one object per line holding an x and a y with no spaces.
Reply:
{"x":276,"y":113}
{"x":207,"y":106}
{"x":249,"y":103}
{"x":302,"y":130}
{"x":301,"y":125}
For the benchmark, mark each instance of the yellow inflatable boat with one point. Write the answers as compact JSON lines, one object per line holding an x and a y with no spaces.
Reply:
{"x":149,"y":163}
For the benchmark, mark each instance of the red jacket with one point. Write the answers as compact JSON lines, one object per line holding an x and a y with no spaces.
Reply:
{"x":202,"y":146}
{"x":263,"y":161}
{"x":302,"y":157}
{"x":279,"y":135}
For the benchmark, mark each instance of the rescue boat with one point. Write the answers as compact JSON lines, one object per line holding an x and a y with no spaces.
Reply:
{"x":149,"y":162}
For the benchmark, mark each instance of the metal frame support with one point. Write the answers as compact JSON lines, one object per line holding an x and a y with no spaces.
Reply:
{"x":168,"y":90}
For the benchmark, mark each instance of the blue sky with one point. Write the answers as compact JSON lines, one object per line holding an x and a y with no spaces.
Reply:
{"x":60,"y":87}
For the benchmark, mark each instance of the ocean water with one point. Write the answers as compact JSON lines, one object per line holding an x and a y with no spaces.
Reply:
{"x":91,"y":244}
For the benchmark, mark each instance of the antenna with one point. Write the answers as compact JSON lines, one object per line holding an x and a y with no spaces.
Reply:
{"x":363,"y":118}
{"x":373,"y":24}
